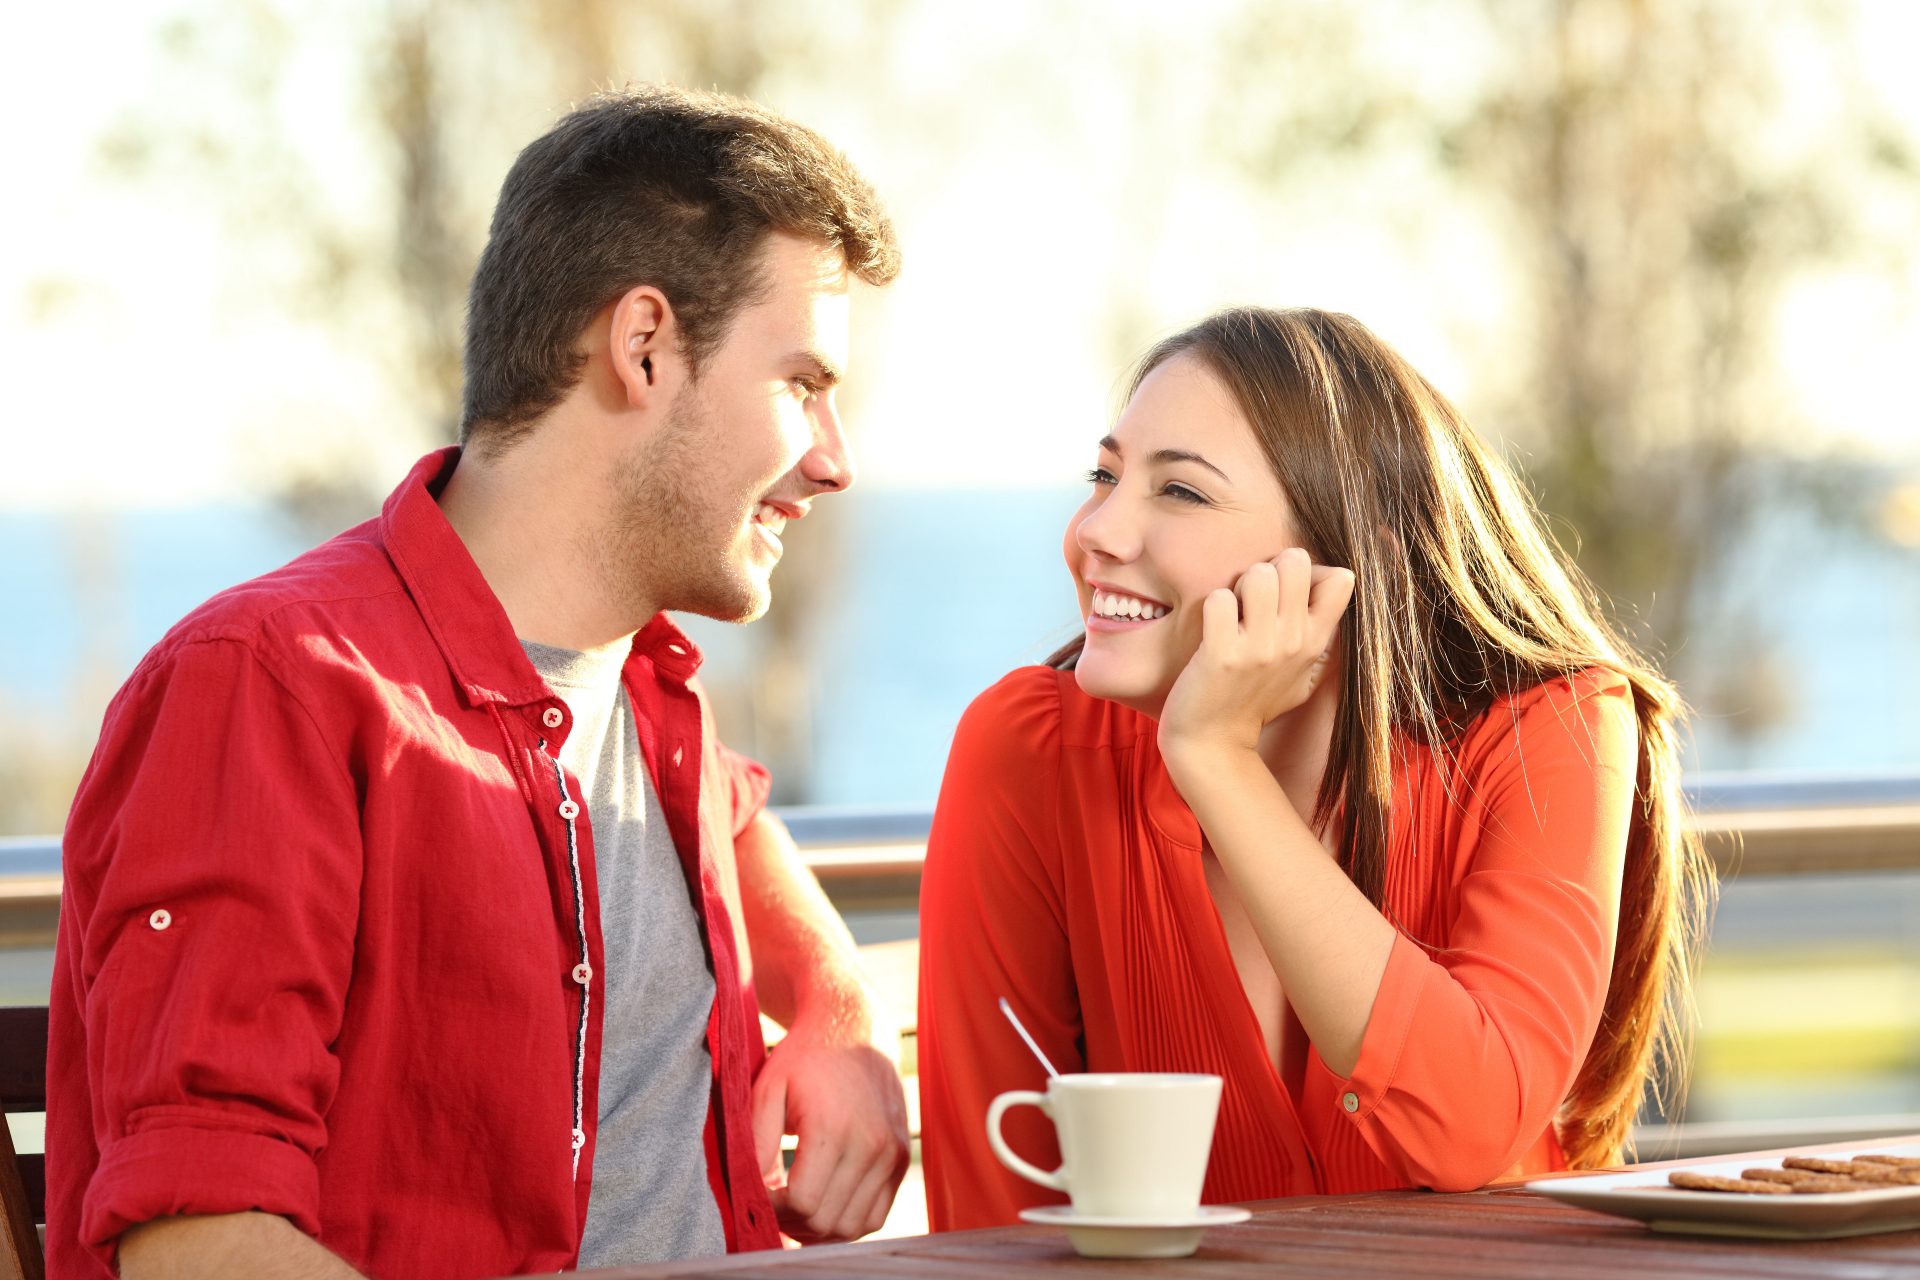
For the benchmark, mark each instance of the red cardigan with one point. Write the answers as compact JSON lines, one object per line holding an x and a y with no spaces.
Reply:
{"x":1064,"y":872}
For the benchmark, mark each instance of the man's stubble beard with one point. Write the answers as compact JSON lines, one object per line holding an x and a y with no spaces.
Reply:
{"x":667,"y":545}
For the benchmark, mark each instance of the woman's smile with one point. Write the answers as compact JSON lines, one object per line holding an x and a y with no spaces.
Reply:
{"x":1119,"y":611}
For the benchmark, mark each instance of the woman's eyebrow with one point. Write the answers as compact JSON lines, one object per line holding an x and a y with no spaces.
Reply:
{"x":1165,"y":456}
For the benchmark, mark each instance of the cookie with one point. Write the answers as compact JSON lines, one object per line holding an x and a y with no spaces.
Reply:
{"x":1829,"y":1183}
{"x":1867,"y":1171}
{"x":1785,"y":1176}
{"x":1703,"y":1182}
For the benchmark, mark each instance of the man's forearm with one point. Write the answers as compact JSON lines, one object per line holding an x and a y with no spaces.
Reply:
{"x":804,"y":960}
{"x":231,"y":1246}
{"x":829,"y":1080}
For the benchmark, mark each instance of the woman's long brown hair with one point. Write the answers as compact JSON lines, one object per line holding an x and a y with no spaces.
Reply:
{"x":1460,"y":597}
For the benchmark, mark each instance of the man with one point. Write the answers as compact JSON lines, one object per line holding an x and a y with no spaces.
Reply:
{"x":414,"y":915}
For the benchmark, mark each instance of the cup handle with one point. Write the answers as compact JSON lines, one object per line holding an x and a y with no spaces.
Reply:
{"x":999,"y":1107}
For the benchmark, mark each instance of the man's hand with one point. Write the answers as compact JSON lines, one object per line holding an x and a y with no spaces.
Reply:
{"x":841,"y":1096}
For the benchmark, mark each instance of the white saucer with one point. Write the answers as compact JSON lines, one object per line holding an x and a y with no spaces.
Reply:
{"x":1174,"y":1236}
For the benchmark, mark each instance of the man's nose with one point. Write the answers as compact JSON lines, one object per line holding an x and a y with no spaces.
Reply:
{"x":829,"y":463}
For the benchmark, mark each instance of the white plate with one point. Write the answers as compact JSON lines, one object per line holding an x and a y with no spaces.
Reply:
{"x":1648,"y":1197}
{"x":1170,"y":1237}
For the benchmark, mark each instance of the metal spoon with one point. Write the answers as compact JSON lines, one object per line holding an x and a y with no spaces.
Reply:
{"x":1015,"y":1020}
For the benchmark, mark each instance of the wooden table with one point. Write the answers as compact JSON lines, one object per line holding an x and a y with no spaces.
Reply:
{"x":1395,"y":1235}
{"x":1501,"y":1232}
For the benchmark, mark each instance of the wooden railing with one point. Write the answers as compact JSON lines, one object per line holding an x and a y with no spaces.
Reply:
{"x":868,"y":860}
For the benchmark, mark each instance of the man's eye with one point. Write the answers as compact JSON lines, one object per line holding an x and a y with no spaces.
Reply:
{"x":1099,"y":475}
{"x":806,"y":388}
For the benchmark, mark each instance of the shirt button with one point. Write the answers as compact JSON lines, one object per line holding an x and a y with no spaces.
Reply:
{"x":1351,"y":1101}
{"x":579,"y":1139}
{"x":552,"y":717}
{"x":160,"y":919}
{"x":677,"y":752}
{"x":583,"y":974}
{"x":674,"y":648}
{"x":569,"y":810}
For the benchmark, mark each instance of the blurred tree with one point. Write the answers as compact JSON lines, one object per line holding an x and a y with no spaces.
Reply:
{"x":1657,"y":188}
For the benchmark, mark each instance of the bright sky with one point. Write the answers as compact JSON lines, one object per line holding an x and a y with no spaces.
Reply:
{"x":134,"y":378}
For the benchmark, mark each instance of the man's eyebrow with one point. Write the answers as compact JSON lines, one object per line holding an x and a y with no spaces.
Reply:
{"x":825,"y":372}
{"x":1164,"y":456}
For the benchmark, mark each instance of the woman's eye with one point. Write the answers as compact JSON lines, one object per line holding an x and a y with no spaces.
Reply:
{"x":1180,"y":493}
{"x":1099,"y":475}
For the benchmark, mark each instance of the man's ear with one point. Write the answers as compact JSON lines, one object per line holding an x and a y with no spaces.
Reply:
{"x":642,"y":343}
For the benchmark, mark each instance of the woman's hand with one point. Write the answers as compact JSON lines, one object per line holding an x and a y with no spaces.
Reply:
{"x":1262,"y":648}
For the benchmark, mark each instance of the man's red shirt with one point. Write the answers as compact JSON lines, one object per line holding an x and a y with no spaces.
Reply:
{"x":326,"y":949}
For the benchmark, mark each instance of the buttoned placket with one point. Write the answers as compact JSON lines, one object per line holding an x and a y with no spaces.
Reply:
{"x":568,"y":810}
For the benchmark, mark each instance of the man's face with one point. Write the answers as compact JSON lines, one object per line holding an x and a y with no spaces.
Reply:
{"x":747,"y":445}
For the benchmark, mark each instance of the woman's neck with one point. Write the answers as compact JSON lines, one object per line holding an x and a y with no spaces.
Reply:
{"x":1296,"y":746}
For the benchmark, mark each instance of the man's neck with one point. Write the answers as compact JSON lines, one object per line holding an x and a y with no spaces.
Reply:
{"x":529,"y":529}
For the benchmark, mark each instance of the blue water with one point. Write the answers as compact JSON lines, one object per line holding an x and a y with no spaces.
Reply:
{"x":937,"y":594}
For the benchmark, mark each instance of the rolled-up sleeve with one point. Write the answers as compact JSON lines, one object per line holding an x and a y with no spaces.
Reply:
{"x":214,"y":863}
{"x":1472,"y":1046}
{"x":748,"y":785}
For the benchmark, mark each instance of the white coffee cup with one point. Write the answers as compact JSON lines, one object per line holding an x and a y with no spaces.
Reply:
{"x":1133,"y":1144}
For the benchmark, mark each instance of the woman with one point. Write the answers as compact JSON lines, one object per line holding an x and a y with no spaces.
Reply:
{"x":1346,"y":795}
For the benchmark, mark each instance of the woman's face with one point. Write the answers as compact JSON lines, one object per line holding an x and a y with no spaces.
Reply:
{"x":1183,"y":503}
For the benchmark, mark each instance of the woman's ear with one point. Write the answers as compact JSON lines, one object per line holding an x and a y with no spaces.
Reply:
{"x":641,"y":343}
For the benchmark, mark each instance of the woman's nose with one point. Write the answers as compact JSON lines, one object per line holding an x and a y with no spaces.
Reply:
{"x":1106,"y":530}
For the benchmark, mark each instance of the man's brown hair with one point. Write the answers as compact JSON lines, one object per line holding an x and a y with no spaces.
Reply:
{"x":649,"y":185}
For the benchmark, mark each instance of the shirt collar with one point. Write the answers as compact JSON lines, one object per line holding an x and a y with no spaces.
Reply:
{"x":460,"y":609}
{"x":668,"y":648}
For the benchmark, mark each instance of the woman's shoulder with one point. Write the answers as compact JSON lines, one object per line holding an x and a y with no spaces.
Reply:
{"x":1563,"y":691}
{"x":1042,"y":709}
{"x":1590,"y":711}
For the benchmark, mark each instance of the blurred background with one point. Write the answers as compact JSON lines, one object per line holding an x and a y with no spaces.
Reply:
{"x":1666,"y":254}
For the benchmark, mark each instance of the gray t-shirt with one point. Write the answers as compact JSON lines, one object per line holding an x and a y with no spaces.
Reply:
{"x":651,"y":1199}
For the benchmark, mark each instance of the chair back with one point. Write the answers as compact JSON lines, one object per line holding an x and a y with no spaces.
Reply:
{"x":23,"y":1179}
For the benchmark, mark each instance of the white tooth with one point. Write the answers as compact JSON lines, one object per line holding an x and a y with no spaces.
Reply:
{"x":1108,"y":606}
{"x":1159,"y":611}
{"x":1133,"y":608}
{"x":1100,"y":602}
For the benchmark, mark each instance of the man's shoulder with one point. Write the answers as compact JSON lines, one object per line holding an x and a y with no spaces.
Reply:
{"x":342,"y":592}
